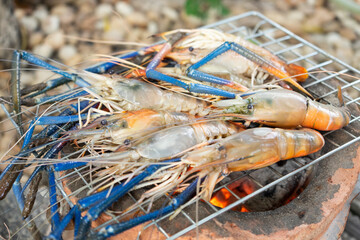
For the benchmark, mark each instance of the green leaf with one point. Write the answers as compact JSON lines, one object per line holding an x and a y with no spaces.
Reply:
{"x":200,"y":8}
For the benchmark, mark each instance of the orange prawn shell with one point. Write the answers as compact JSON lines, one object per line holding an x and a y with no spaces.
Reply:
{"x":289,"y":144}
{"x":303,"y":143}
{"x":143,"y":119}
{"x":325,"y":117}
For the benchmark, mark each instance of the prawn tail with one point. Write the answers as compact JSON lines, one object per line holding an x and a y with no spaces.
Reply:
{"x":298,"y":72}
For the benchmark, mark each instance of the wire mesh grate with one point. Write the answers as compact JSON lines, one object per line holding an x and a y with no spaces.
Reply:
{"x":326,"y":73}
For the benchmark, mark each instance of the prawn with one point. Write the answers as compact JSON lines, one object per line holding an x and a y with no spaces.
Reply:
{"x":286,"y":109}
{"x":212,"y":38}
{"x":259,"y":64}
{"x":245,"y":150}
{"x":250,"y":149}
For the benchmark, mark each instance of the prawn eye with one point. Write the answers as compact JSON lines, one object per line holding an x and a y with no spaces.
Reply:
{"x":111,"y":71}
{"x":221,"y":148}
{"x":103,"y":122}
{"x":191,"y":49}
{"x":250,"y":106}
{"x":127,"y":142}
{"x":124,"y":124}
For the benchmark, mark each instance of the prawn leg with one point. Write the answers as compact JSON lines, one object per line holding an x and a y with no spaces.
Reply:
{"x":12,"y":174}
{"x":13,"y":168}
{"x":33,"y":183}
{"x":15,"y":91}
{"x":191,"y":87}
{"x":12,"y":171}
{"x":27,"y":101}
{"x":73,"y":213}
{"x":51,"y":84}
{"x":94,"y":212}
{"x":19,"y":198}
{"x":41,"y":63}
{"x":76,"y":210}
{"x":65,"y":116}
{"x":176,"y":202}
{"x":231,"y":46}
{"x":63,"y":166}
{"x":93,"y":202}
{"x":55,"y":216}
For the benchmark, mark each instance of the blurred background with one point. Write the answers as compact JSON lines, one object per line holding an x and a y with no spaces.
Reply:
{"x":71,"y":31}
{"x":51,"y":27}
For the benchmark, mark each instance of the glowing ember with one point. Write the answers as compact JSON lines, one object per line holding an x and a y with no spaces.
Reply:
{"x":241,"y":188}
{"x":221,"y":198}
{"x":224,"y":197}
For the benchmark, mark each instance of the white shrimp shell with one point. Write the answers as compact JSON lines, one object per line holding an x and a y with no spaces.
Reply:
{"x":169,"y":143}
{"x":138,"y":95}
{"x":132,"y":94}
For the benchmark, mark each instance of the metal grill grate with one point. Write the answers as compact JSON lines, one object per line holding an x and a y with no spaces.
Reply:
{"x":326,"y":73}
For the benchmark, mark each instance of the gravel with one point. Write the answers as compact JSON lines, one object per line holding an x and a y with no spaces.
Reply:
{"x":332,"y":28}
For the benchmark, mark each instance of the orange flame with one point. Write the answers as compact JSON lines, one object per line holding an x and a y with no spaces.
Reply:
{"x":221,"y":198}
{"x":242,"y":188}
{"x":224,"y":197}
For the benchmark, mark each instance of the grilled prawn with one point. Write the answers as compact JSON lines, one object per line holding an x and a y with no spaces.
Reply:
{"x":259,"y":64}
{"x":251,"y":149}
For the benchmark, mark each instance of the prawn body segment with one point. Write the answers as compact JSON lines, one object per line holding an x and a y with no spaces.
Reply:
{"x":133,"y":94}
